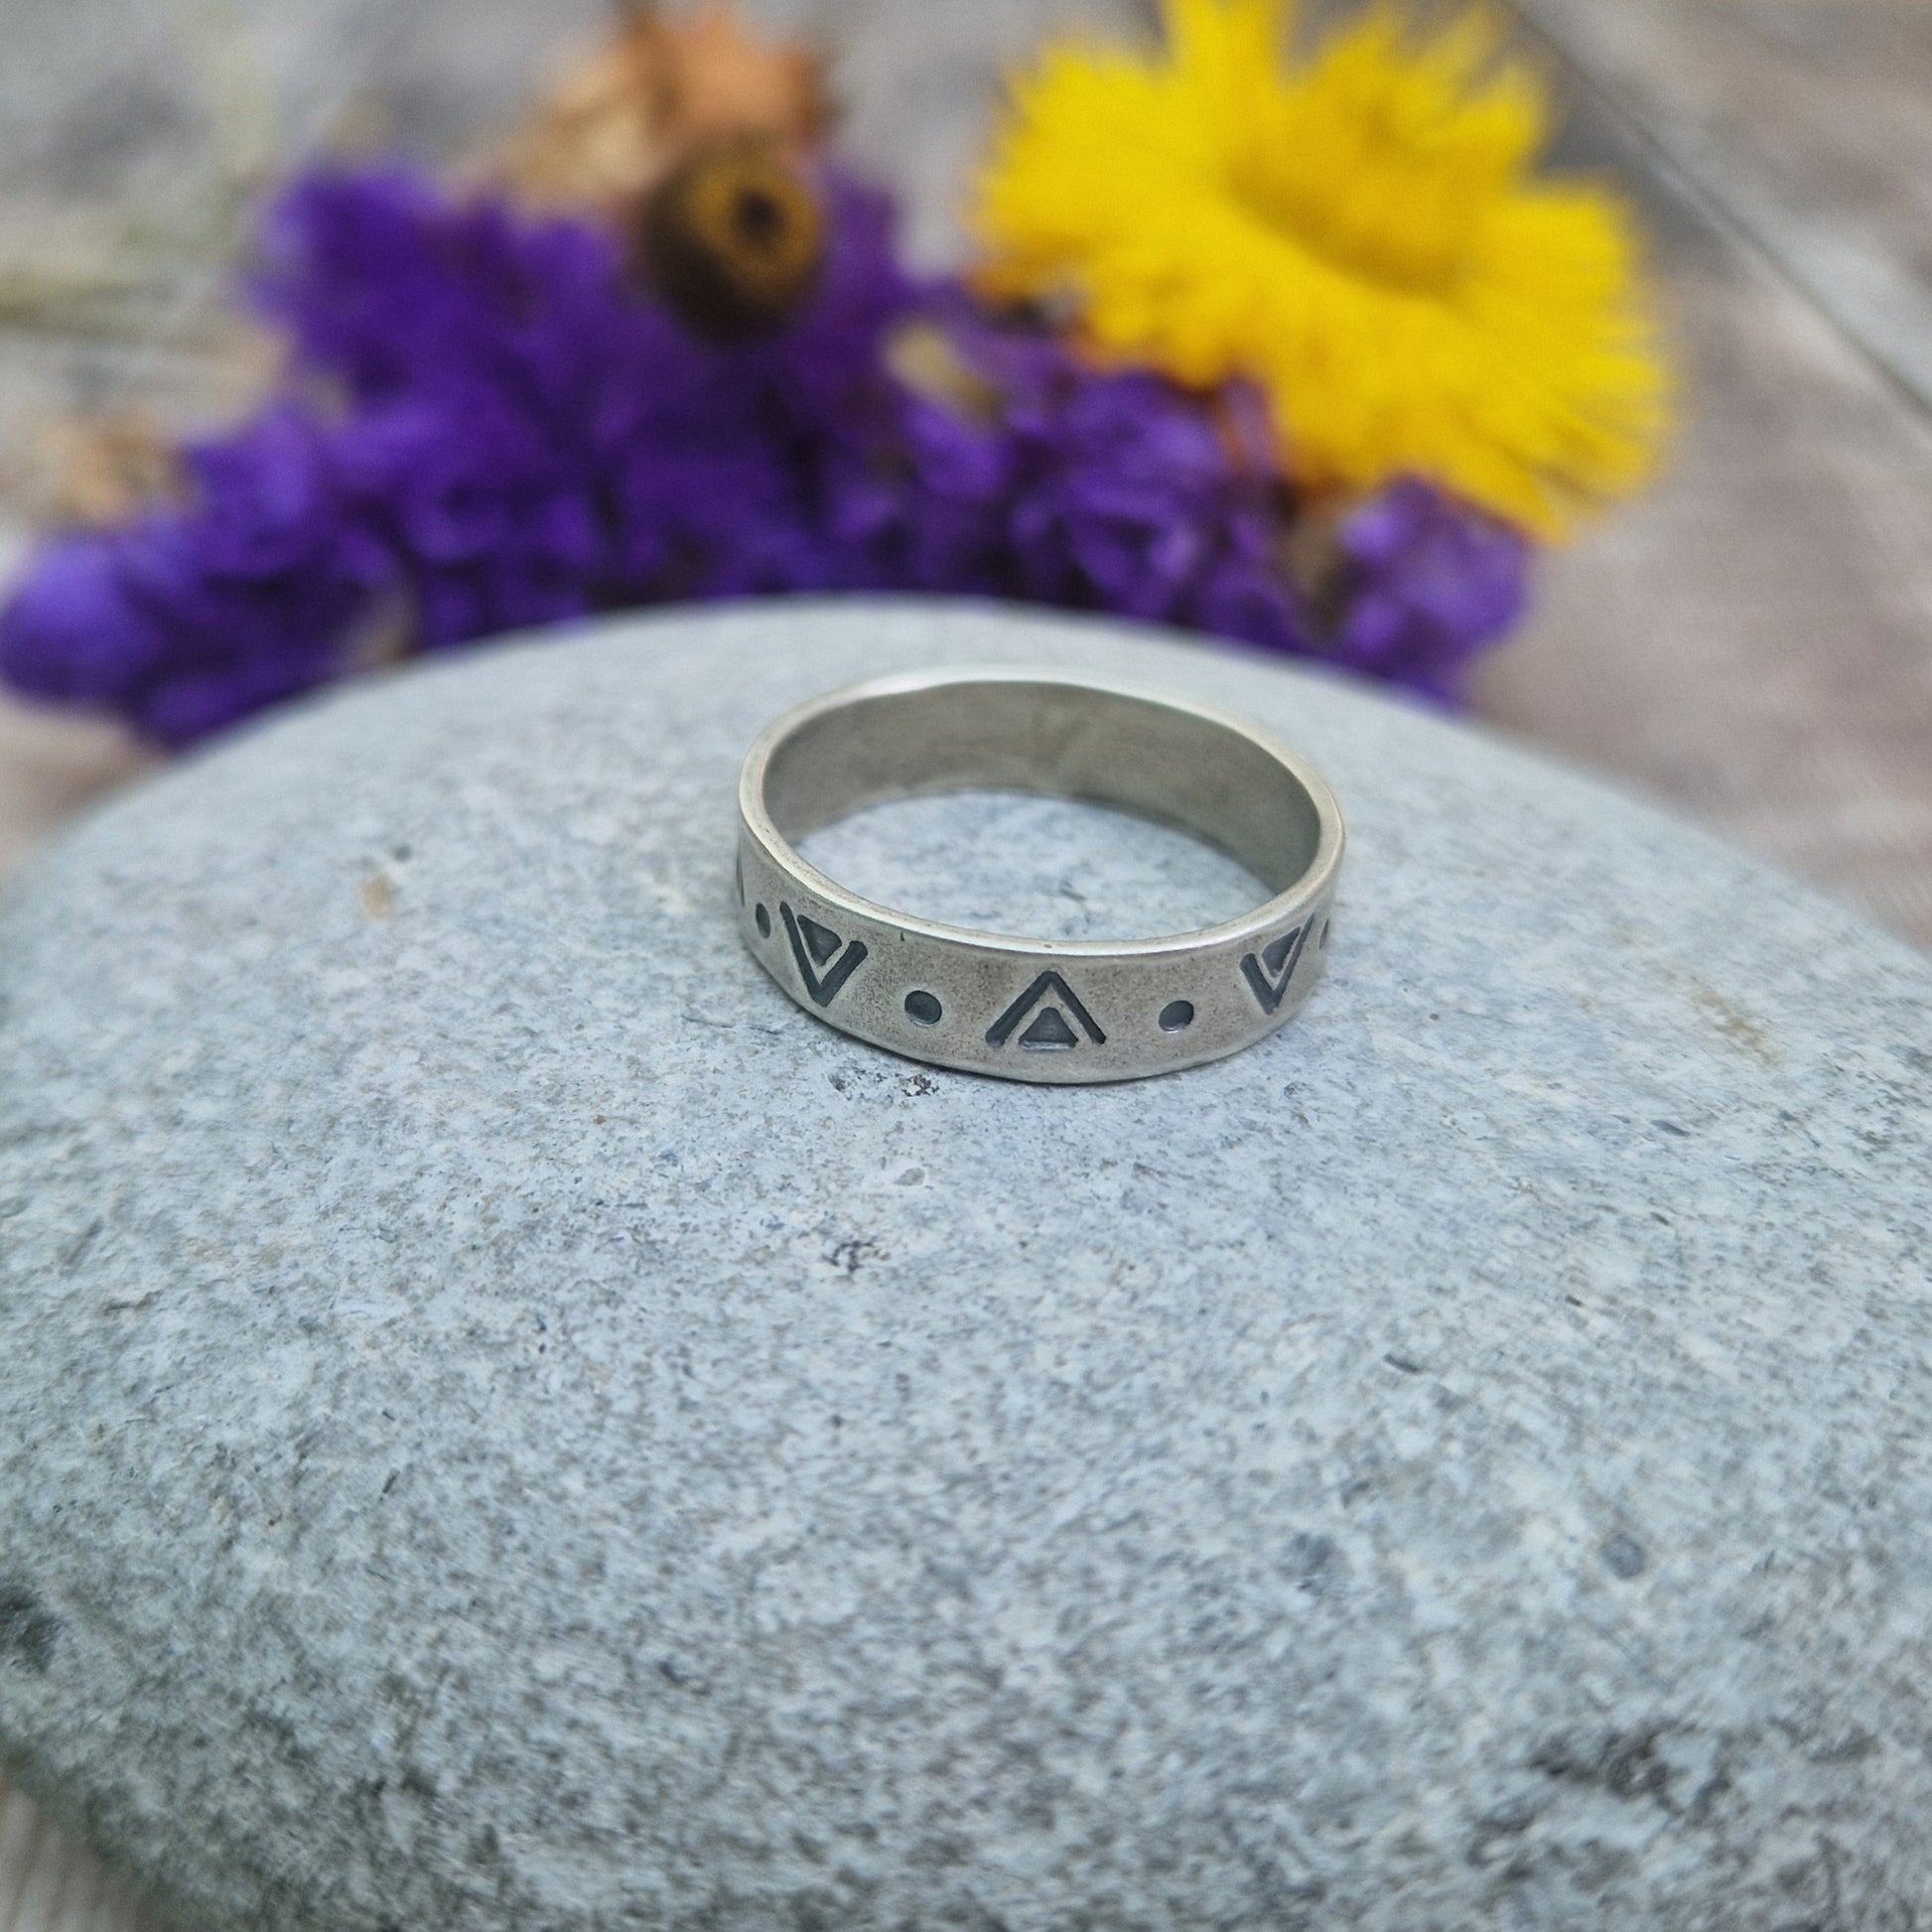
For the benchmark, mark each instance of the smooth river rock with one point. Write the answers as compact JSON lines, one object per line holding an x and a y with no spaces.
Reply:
{"x":505,"y":1422}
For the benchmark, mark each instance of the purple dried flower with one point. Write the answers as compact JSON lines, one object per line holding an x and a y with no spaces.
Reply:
{"x":1426,"y":582}
{"x":489,"y":527}
{"x":197,"y":614}
{"x":522,"y":435}
{"x":1131,"y":501}
{"x":637,"y":460}
{"x":1083,"y":488}
{"x":392,"y":289}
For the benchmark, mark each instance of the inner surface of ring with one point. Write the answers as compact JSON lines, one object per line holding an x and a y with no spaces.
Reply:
{"x":1067,"y":739}
{"x":1028,"y":864}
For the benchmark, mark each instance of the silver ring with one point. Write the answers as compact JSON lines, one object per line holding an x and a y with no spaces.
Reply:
{"x":1064,"y":1011}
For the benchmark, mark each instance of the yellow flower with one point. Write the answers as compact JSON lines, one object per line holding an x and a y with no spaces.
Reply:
{"x":1361,"y":233}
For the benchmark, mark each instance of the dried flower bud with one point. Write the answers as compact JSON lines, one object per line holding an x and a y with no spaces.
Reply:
{"x":660,"y":87}
{"x":733,"y":239}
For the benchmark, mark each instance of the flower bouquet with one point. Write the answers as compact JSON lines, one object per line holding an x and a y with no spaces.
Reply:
{"x":1298,"y":353}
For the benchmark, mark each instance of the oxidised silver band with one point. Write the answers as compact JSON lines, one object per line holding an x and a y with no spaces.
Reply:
{"x":1053,"y":1009}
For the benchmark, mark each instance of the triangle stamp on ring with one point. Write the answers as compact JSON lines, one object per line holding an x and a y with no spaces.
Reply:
{"x":1049,"y":1032}
{"x":812,"y":946}
{"x":1268,"y":975}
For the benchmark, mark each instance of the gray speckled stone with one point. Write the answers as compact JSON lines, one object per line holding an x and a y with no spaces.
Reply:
{"x":505,"y":1422}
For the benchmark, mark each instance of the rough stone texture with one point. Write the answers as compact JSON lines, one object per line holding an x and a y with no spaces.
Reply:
{"x":505,"y":1422}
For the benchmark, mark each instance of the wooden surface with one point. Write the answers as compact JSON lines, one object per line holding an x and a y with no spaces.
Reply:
{"x":47,"y":1883}
{"x":1753,"y":642}
{"x":1807,"y":125}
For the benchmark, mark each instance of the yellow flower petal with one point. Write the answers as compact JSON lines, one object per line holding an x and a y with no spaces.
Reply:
{"x":1362,"y":235}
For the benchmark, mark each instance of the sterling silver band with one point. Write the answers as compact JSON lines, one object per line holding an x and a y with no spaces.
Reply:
{"x":1064,"y":1011}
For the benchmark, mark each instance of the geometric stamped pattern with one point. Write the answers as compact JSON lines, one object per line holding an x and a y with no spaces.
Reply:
{"x":1048,"y":1030}
{"x":1049,"y":1017}
{"x":1268,"y":975}
{"x":812,"y":945}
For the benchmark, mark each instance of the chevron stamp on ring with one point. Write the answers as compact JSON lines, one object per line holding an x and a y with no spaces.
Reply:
{"x":1059,"y":1010}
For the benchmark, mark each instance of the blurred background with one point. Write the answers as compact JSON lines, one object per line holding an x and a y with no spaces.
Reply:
{"x":1750,"y":642}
